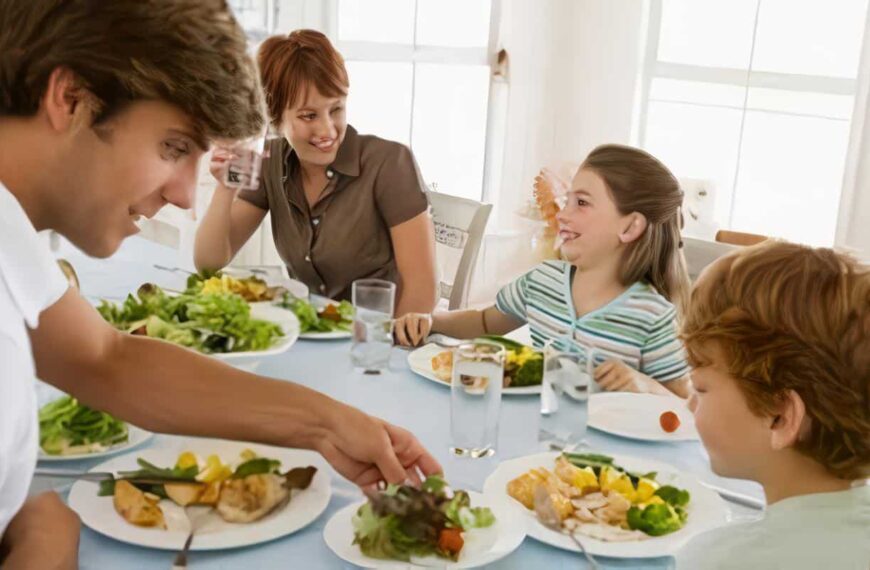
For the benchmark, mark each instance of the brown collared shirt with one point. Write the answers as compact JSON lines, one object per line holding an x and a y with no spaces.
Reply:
{"x":375,"y":184}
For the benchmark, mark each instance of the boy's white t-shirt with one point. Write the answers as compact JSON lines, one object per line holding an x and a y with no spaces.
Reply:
{"x":822,"y":531}
{"x":30,"y":282}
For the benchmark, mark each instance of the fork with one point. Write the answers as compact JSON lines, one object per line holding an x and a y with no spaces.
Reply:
{"x":180,"y":562}
{"x":548,"y":516}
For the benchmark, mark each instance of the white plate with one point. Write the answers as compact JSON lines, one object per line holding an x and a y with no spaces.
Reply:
{"x":482,"y":545}
{"x":213,"y":533}
{"x":420,"y":362}
{"x":136,"y":436}
{"x":636,"y":416}
{"x":706,"y":509}
{"x":268,"y":312}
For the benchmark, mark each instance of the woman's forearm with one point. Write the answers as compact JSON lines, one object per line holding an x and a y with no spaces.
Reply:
{"x":212,"y":246}
{"x":417,"y":296}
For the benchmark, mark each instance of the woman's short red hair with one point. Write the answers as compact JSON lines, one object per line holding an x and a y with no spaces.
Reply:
{"x":290,"y":64}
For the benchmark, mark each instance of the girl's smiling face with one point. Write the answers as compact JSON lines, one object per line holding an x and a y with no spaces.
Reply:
{"x":590,"y":225}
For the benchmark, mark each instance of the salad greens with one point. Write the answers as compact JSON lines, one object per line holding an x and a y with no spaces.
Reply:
{"x":208,"y":322}
{"x":332,"y":318}
{"x":405,"y":521}
{"x":67,"y":427}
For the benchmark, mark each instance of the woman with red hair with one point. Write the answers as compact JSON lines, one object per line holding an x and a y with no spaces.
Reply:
{"x":344,"y":206}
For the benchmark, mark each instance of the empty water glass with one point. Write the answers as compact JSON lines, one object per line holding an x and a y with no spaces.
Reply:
{"x":475,"y":397}
{"x":373,"y":303}
{"x":569,"y":379}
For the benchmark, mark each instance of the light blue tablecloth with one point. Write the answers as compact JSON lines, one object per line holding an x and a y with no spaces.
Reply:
{"x":399,"y":397}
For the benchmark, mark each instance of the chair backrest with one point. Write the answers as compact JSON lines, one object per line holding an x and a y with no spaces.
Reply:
{"x":738,"y":238}
{"x":459,"y":226}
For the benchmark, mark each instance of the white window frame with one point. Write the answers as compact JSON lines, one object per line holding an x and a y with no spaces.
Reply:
{"x":654,"y":69}
{"x":414,"y":54}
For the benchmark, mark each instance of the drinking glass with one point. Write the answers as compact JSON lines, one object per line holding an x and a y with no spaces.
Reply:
{"x":245,"y":162}
{"x":373,"y":303}
{"x":569,"y":379}
{"x":475,"y":397}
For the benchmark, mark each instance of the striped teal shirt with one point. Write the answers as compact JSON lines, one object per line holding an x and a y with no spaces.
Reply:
{"x":638,"y":327}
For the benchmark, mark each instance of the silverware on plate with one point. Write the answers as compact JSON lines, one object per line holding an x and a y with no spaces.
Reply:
{"x":546,"y":512}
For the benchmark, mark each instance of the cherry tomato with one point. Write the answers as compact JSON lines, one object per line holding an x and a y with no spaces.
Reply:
{"x":669,"y":421}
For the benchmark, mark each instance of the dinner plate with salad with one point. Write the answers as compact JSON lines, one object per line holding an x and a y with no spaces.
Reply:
{"x":232,"y":494}
{"x":211,"y":316}
{"x":430,"y":526}
{"x":523,"y":368}
{"x":320,"y":318}
{"x":619,"y":506}
{"x":69,"y":430}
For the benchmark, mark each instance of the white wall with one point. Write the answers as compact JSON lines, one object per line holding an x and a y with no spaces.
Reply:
{"x":574,"y":71}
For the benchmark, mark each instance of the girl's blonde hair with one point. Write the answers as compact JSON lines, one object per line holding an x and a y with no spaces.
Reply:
{"x":639,"y":182}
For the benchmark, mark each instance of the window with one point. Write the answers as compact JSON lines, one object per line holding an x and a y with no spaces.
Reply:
{"x":419,"y":74}
{"x":756,"y":96}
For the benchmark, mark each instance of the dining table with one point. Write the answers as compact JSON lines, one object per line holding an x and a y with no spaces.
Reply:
{"x":398,"y":396}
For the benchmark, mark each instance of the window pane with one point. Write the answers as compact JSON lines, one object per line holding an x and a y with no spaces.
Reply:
{"x":450,"y":126}
{"x":697,"y":92}
{"x":251,"y":14}
{"x":789,"y":186}
{"x":801,"y":102}
{"x":385,"y":21}
{"x":811,"y":38}
{"x":453,"y":23}
{"x":707,"y":32}
{"x":697,"y":142}
{"x":369,"y":109}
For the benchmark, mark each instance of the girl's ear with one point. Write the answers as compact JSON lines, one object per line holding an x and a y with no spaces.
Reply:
{"x":635,"y":226}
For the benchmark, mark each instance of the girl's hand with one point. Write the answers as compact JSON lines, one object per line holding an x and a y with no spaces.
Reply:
{"x":616,"y":376}
{"x":412,"y":329}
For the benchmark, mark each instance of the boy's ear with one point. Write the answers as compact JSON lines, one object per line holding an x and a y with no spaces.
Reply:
{"x":63,"y":97}
{"x":634,"y":227}
{"x":789,"y":424}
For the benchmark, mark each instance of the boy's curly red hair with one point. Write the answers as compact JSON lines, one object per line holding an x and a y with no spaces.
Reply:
{"x":791,"y":317}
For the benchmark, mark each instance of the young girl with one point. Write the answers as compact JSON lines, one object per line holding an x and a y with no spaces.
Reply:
{"x":619,"y":287}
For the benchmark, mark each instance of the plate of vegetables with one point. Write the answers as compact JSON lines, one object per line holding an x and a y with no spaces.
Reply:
{"x":320,"y":319}
{"x":432,"y":525}
{"x":220,"y":323}
{"x":523,"y":368}
{"x":619,"y":506}
{"x":69,"y":430}
{"x":234,"y":494}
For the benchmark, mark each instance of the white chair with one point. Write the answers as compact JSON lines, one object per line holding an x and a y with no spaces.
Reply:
{"x":459,"y":226}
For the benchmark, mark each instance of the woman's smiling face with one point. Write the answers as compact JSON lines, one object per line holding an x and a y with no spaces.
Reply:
{"x":315,"y":127}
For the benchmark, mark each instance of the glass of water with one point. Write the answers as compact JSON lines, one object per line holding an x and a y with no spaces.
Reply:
{"x":569,"y":379}
{"x":373,"y":302}
{"x":475,"y":397}
{"x":245,"y":162}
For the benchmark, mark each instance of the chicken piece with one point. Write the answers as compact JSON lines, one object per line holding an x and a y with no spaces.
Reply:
{"x":211,"y":494}
{"x":523,"y":487}
{"x":136,"y":507}
{"x":184,"y":493}
{"x":251,"y":498}
{"x":442,"y":365}
{"x":616,"y":511}
{"x":591,"y":501}
{"x":550,"y":506}
{"x":610,"y":533}
{"x":583,"y":479}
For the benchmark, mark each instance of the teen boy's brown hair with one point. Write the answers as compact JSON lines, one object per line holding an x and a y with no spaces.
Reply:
{"x":189,"y":53}
{"x":789,"y":317}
